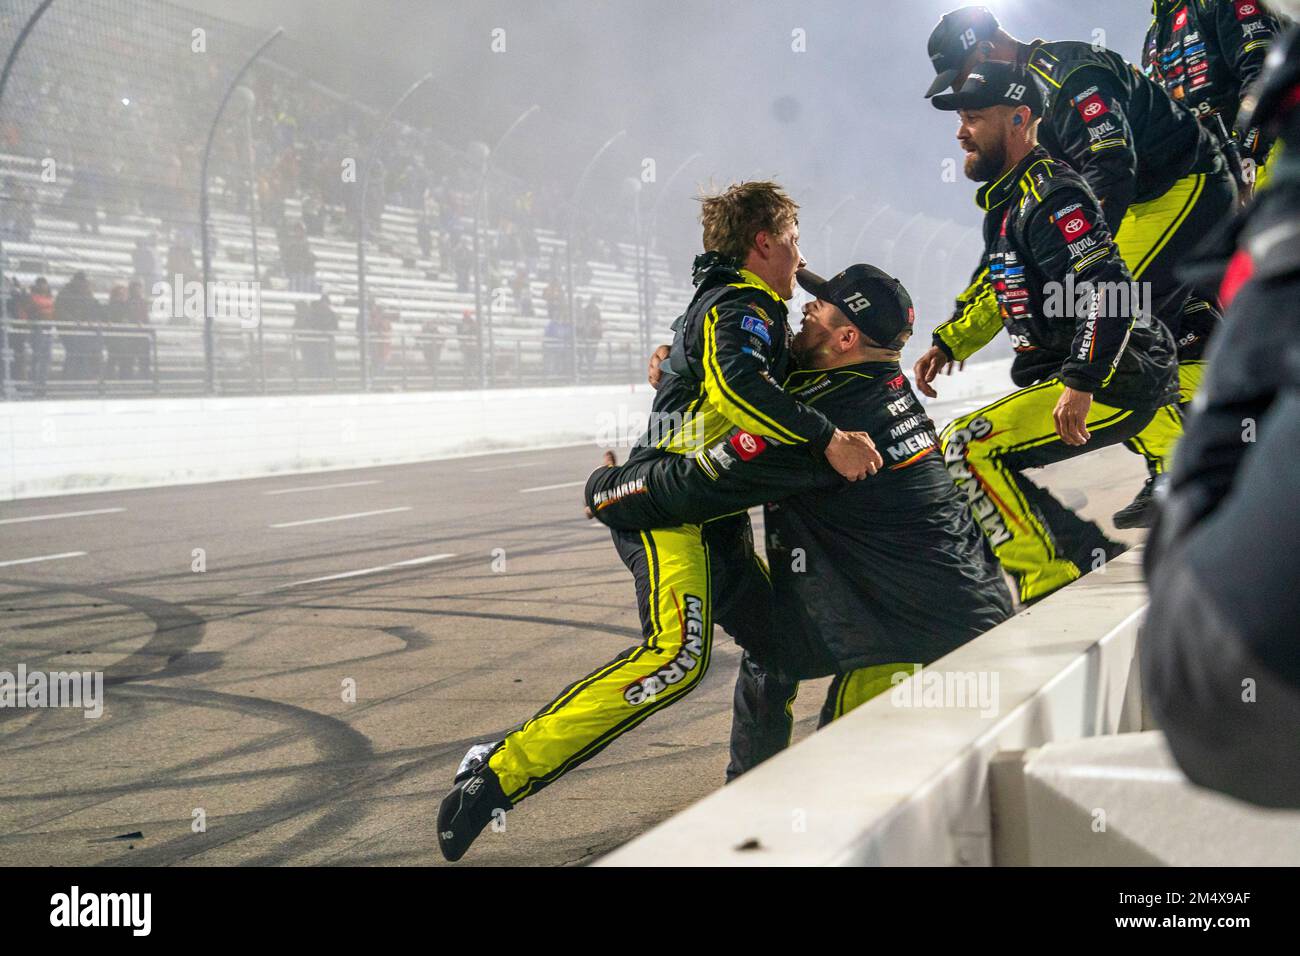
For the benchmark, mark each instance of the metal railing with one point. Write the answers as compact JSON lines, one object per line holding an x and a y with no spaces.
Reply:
{"x":89,"y":360}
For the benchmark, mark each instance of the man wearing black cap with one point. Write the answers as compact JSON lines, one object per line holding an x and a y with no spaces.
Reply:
{"x":1160,"y":178}
{"x":867,"y":579}
{"x":1093,"y":369}
{"x":732,"y":345}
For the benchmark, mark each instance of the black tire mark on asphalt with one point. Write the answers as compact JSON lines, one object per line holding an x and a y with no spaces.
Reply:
{"x":170,"y":658}
{"x":346,"y":751}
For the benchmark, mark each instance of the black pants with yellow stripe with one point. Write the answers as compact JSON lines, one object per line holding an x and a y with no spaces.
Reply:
{"x":1040,"y":542}
{"x":1154,"y":238}
{"x":1156,"y":442}
{"x":762,"y":717}
{"x":678,"y":572}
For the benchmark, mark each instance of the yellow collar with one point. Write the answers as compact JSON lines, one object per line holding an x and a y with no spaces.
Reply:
{"x":752,"y":279}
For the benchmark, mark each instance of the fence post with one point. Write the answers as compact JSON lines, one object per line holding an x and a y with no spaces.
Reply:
{"x":363,"y":222}
{"x":209,"y":344}
{"x":7,"y":389}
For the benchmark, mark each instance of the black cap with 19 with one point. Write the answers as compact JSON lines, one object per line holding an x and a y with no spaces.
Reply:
{"x":872,"y":300}
{"x":954,"y":40}
{"x":994,"y":84}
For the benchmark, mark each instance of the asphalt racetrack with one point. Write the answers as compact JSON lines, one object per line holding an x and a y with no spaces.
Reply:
{"x":305,"y":698}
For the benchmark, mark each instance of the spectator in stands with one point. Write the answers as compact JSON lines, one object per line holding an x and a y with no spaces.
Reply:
{"x":307,"y":343}
{"x":463,"y":262}
{"x":431,"y":346}
{"x":18,"y":333}
{"x":590,"y":331}
{"x":553,"y":296}
{"x":424,"y":234}
{"x":297,"y":259}
{"x":325,"y":321}
{"x":181,"y":268}
{"x":467,"y":335}
{"x":37,"y":314}
{"x":18,"y":221}
{"x":143,"y":262}
{"x":532,"y":249}
{"x":81,"y":200}
{"x":381,"y":339}
{"x":78,"y":315}
{"x":141,"y":352}
{"x":116,"y":345}
{"x":551,"y":345}
{"x":313,"y":217}
{"x":523,"y":292}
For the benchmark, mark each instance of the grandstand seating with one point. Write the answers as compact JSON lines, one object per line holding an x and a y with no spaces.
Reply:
{"x":413,"y":290}
{"x":129,"y":164}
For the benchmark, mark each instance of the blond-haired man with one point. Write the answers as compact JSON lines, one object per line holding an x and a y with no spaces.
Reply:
{"x":729,"y":356}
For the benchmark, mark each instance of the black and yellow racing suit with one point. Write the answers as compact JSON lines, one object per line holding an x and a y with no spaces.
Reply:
{"x":1207,"y":54}
{"x":869,"y":578}
{"x":1053,"y":277}
{"x":1161,"y":179}
{"x":732,"y":348}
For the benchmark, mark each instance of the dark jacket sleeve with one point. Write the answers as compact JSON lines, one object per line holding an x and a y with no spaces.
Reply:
{"x":1089,"y":122}
{"x":737,"y":356}
{"x":1220,"y":652}
{"x":1244,"y":30}
{"x":1067,"y":235}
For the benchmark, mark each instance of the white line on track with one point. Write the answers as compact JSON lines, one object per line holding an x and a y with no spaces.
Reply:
{"x":43,"y":557}
{"x":62,"y":514}
{"x":408,"y":563}
{"x":566,"y":484}
{"x":358,"y":514}
{"x":518,"y":464}
{"x":344,"y":484}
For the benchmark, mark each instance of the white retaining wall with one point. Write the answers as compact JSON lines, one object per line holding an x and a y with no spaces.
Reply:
{"x":66,"y":447}
{"x":894,"y":783}
{"x":50,"y":448}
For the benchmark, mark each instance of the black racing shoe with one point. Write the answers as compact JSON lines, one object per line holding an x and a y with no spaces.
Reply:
{"x":1141,"y":511}
{"x":471,"y":806}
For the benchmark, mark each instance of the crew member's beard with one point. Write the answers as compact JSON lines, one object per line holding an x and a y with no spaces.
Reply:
{"x":804,"y":348}
{"x":987,"y":164}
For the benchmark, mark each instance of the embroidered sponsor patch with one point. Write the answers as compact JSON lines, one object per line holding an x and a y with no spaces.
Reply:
{"x":1180,"y":19}
{"x":756,"y":326}
{"x":747,"y":446}
{"x":1246,"y":9}
{"x":1092,"y":107}
{"x":1073,"y":226}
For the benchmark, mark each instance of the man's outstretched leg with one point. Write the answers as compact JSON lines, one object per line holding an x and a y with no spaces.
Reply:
{"x":1040,"y":543}
{"x":672,"y":572}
